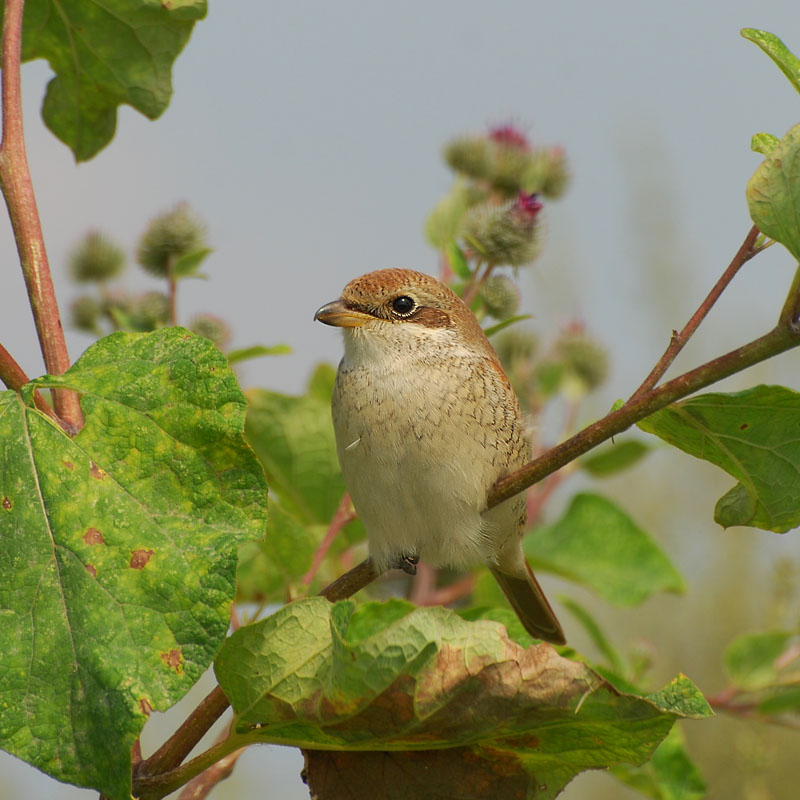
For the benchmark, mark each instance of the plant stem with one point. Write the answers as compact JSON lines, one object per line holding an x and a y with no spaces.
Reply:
{"x":183,"y":741}
{"x":678,"y":341}
{"x":17,"y":188}
{"x":777,"y":341}
{"x":149,"y":787}
{"x":13,"y":376}
{"x":344,"y":513}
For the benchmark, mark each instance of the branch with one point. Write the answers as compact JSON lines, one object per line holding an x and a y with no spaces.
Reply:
{"x":778,"y":340}
{"x":17,"y":188}
{"x":13,"y":376}
{"x":744,"y":254}
{"x":344,"y":513}
{"x":183,"y":741}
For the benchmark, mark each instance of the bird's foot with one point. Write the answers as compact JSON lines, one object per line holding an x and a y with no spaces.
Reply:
{"x":407,"y":563}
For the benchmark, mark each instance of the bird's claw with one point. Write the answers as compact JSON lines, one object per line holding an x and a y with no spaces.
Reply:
{"x":408,"y":563}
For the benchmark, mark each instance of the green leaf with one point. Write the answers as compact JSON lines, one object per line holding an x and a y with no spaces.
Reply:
{"x":256,"y":351}
{"x":503,"y":324}
{"x":293,"y":438}
{"x":443,"y":223}
{"x":780,"y":700}
{"x":462,"y":696}
{"x":320,"y":384}
{"x":763,"y":143}
{"x":119,"y":548}
{"x":669,"y":775}
{"x":614,"y":458}
{"x":750,"y":659}
{"x":457,"y":260}
{"x":595,"y":633}
{"x":598,"y":545}
{"x":773,"y":193}
{"x":752,"y":435}
{"x":787,"y":62}
{"x":186,"y":266}
{"x":104,"y":55}
{"x":269,"y":567}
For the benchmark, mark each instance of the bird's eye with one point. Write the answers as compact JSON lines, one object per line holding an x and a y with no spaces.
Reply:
{"x":403,"y":306}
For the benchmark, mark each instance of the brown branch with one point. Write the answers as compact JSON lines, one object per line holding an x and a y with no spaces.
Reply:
{"x":352,"y":581}
{"x":777,"y":341}
{"x":17,"y":188}
{"x":679,"y":340}
{"x":183,"y":741}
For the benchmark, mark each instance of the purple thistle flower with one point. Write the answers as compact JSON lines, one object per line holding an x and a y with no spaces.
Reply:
{"x":508,"y":134}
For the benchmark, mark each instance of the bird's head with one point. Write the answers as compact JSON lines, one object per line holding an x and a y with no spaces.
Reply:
{"x":402,"y":310}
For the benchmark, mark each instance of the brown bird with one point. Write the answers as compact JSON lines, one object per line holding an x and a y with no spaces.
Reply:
{"x":426,"y":422}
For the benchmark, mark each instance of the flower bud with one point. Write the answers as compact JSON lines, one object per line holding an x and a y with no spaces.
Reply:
{"x":212,"y":327}
{"x":583,"y":357}
{"x":515,"y":344}
{"x":150,"y":311}
{"x":506,"y":233}
{"x":468,"y":155}
{"x":96,"y":258}
{"x":556,"y":173}
{"x":509,"y":135}
{"x":85,"y":312}
{"x":500,"y":296}
{"x":508,"y":165}
{"x":169,"y":236}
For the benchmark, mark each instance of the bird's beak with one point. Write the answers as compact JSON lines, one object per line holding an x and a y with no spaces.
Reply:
{"x":337,"y":313}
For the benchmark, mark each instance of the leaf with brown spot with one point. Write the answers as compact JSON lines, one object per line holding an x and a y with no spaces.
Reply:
{"x":128,"y":555}
{"x":139,"y":558}
{"x":410,"y":691}
{"x":173,"y":659}
{"x":7,"y":505}
{"x":93,"y":536}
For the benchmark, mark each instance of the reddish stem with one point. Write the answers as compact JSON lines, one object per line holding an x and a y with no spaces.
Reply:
{"x":344,"y":513}
{"x":13,"y":376}
{"x":17,"y":188}
{"x":678,"y":341}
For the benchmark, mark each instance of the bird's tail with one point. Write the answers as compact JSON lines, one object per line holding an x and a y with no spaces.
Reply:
{"x":528,"y":600}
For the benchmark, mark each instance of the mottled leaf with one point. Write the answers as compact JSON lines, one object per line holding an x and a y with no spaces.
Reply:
{"x":614,"y":457}
{"x":773,"y":193}
{"x":598,"y":545}
{"x":787,"y":62}
{"x":119,"y":548}
{"x":104,"y":55}
{"x":754,"y":436}
{"x":763,"y":143}
{"x":391,"y":677}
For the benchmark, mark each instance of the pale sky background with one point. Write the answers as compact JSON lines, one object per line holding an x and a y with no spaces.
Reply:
{"x":307,"y":136}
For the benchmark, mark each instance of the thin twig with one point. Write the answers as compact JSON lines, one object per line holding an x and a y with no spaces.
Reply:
{"x":17,"y":188}
{"x":679,"y":340}
{"x":472,"y":289}
{"x":344,"y":513}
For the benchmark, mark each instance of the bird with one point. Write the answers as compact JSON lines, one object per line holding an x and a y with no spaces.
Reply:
{"x":426,"y":422}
